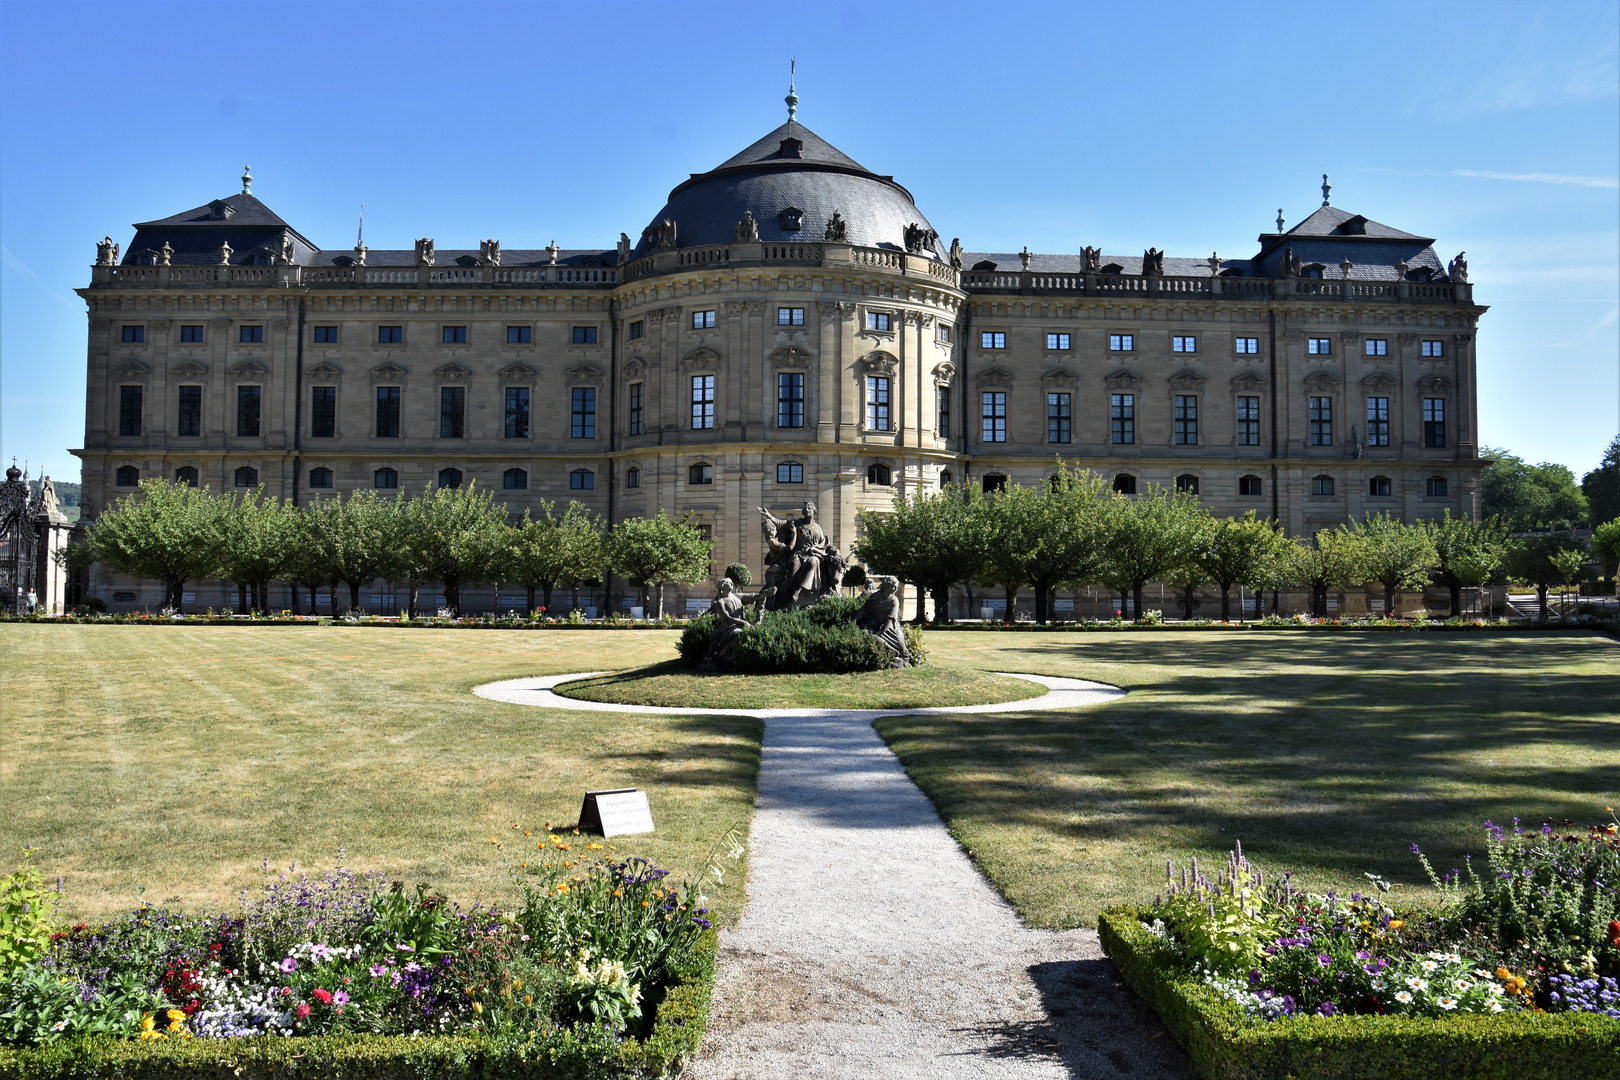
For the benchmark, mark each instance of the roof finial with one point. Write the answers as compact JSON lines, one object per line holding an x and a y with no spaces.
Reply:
{"x":1326,"y":187}
{"x":792,"y":99}
{"x":247,"y":179}
{"x":1279,"y":219}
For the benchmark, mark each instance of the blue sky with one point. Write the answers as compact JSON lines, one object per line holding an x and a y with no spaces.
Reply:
{"x":1493,"y":127}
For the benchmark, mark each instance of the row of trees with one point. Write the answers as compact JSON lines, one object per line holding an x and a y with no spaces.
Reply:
{"x":1073,"y":531}
{"x":175,"y":533}
{"x":1546,"y":495}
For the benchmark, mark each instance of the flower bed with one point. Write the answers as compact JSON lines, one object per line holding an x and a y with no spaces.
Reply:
{"x":1513,"y":976}
{"x":603,"y":969}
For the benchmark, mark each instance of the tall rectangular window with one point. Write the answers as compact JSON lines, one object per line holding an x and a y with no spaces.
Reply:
{"x":387,"y":412}
{"x":877,"y":403}
{"x":790,"y":399}
{"x":1121,"y":342}
{"x":1434,"y":348}
{"x":1246,"y":346}
{"x":790,"y":316}
{"x":1057,"y":342}
{"x":1122,"y":418}
{"x":1059,"y":417}
{"x":251,"y":335}
{"x":455,"y":335}
{"x":944,"y":424}
{"x":1321,"y":420}
{"x":993,"y":416}
{"x":635,"y":408}
{"x":1248,"y":420}
{"x":1319,"y":346}
{"x":638,"y":330}
{"x":452,"y":412}
{"x":1186,"y":420}
{"x":326,"y":335}
{"x":247,"y":411}
{"x":993,"y":339}
{"x":1434,"y":421}
{"x":1187,"y":343}
{"x":583,"y":425}
{"x":517,"y":412}
{"x":702,"y":402}
{"x":390,"y":335}
{"x":1378,"y":421}
{"x":703,"y":320}
{"x":193,"y":335}
{"x":323,"y":412}
{"x":188,"y":420}
{"x":129,"y":410}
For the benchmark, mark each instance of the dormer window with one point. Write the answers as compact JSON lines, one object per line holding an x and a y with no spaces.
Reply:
{"x":1356,"y":226}
{"x":343,"y":260}
{"x":1113,"y":268}
{"x":791,"y":148}
{"x":1312,"y":270}
{"x":466,"y":260}
{"x":262,"y":258}
{"x":219,"y":210}
{"x":792,"y":218}
{"x":986,"y":265}
{"x":146,"y":258}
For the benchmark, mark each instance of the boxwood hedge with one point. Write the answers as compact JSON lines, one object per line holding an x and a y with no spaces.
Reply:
{"x":1226,"y":1044}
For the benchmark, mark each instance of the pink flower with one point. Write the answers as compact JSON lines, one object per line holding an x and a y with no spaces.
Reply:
{"x":303,"y":1012}
{"x":322,"y":996}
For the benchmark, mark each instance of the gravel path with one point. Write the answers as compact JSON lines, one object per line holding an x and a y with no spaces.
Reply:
{"x":871,"y":946}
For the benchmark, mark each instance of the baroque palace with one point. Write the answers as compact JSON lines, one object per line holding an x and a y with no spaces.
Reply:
{"x":789,"y":326}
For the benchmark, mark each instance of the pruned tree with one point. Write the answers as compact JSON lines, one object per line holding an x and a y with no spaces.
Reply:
{"x":168,"y":531}
{"x":1246,"y":551}
{"x":543,"y":552}
{"x":1329,"y":560}
{"x":1467,"y":553}
{"x":355,"y":539}
{"x":455,"y":538}
{"x":1394,"y":554}
{"x":652,"y":552}
{"x":932,"y":540}
{"x":258,"y":540}
{"x":1606,"y":546}
{"x":1545,"y":561}
{"x":1601,"y":486}
{"x":1148,"y":536}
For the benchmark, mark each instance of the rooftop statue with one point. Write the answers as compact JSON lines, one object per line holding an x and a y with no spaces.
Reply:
{"x":837,"y":229}
{"x":747,"y":228}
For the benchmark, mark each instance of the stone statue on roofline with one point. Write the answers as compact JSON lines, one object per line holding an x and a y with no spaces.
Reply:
{"x":1091,"y":260}
{"x":956,"y":252}
{"x":106,"y":252}
{"x":1153,"y":263}
{"x":801,"y":563}
{"x":1457,"y":269}
{"x":747,"y":228}
{"x":837,"y":231}
{"x":424,"y":252}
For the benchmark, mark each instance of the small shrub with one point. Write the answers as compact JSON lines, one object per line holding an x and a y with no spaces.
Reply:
{"x":739,"y":574}
{"x":25,"y":916}
{"x":809,"y":641}
{"x":855,"y":577}
{"x":694,"y":643}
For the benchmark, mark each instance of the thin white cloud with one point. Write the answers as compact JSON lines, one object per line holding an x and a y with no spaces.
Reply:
{"x":1543,"y":178}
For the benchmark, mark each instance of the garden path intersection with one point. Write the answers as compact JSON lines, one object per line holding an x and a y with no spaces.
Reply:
{"x":871,"y":946}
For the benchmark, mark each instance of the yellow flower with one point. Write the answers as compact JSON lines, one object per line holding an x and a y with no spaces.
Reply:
{"x":478,"y":1008}
{"x":1396,"y":924}
{"x":563,"y":887}
{"x":175,"y":1014}
{"x":147,"y":1022}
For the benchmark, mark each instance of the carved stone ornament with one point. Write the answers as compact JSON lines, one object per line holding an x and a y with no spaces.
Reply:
{"x":919,"y":239}
{"x":451,"y":373}
{"x":131,"y":369}
{"x":1434,"y":384}
{"x":489,"y":252}
{"x":584,"y":373}
{"x":624,"y":248}
{"x":247,"y":369}
{"x":1379,"y":383}
{"x":1457,"y":269}
{"x":218,"y":326}
{"x":701,"y":360}
{"x":1406,"y":340}
{"x":791,"y":356}
{"x":1153,"y":263}
{"x":1187,"y":380}
{"x":189,"y":369}
{"x":517,"y":373}
{"x":736,"y":307}
{"x":879,"y":363}
{"x":1060,"y":378}
{"x":424,"y":252}
{"x":1350,"y":342}
{"x":747,"y":228}
{"x":837,"y":230}
{"x":106,"y":252}
{"x":1091,"y":260}
{"x":1248,"y":383}
{"x":279,"y":326}
{"x":1321,"y":381}
{"x":388,"y":373}
{"x":956,"y":252}
{"x":225,"y":254}
{"x":635,"y":368}
{"x":1123,"y":380}
{"x":1291,"y":264}
{"x":944,"y":372}
{"x":165,"y":254}
{"x":1462,"y":341}
{"x":994,"y":377}
{"x":842,"y":308}
{"x":326,"y":371}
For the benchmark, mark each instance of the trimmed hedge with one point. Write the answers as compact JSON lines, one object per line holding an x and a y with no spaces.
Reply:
{"x":677,"y":1031}
{"x":1226,"y":1044}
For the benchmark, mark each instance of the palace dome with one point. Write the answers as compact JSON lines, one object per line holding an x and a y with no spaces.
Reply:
{"x":792,"y":181}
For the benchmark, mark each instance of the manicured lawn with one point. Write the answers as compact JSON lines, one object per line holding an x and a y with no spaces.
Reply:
{"x":929,"y":686}
{"x":178,"y":758}
{"x":1328,"y":755}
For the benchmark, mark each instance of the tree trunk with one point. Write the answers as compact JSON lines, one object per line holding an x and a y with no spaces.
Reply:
{"x":942,"y":603}
{"x":452,"y":597}
{"x":1187,"y":603}
{"x":410,"y":607}
{"x":573,"y":597}
{"x":1456,"y":599}
{"x":1136,"y":595}
{"x":1040,"y":602}
{"x":1389,"y":601}
{"x":264,"y":596}
{"x":1541,"y":595}
{"x":660,"y":600}
{"x":922,"y":603}
{"x":354,"y":597}
{"x":176,"y":595}
{"x":1012,"y":601}
{"x":241,"y":599}
{"x":1226,"y":604}
{"x":1124,"y":603}
{"x":531,"y":599}
{"x":547,"y":589}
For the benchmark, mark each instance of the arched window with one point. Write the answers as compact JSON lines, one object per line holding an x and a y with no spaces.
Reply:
{"x":878,"y":475}
{"x":994,"y":482}
{"x":515,"y":480}
{"x":1378,"y":487}
{"x":185,"y":474}
{"x":1250,"y":486}
{"x":700,"y":472}
{"x":581,"y":480}
{"x":1187,"y":482}
{"x":945,"y":479}
{"x":1434,"y":486}
{"x":1125,"y":484}
{"x":320,"y":478}
{"x":449,"y":478}
{"x":385,"y":479}
{"x":129,"y":476}
{"x":789,"y":472}
{"x":632,"y":477}
{"x":1321,"y":485}
{"x":247,"y":476}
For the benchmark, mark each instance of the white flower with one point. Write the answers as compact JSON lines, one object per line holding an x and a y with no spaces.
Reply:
{"x":1447,"y":1003}
{"x":1417,"y":984}
{"x":1403,"y":997}
{"x":1428,"y":965}
{"x":1463,"y":985}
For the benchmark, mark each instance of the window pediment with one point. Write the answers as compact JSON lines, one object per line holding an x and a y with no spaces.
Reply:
{"x":879,"y":363}
{"x":944,"y":373}
{"x":247,"y":369}
{"x":1434,"y":384}
{"x":131,"y":369}
{"x":994,"y":377}
{"x":388,"y":373}
{"x":1123,"y":379}
{"x":701,"y":360}
{"x":1187,"y":380}
{"x":1321,"y":381}
{"x":791,"y":356}
{"x":1060,"y":377}
{"x":584,"y":373}
{"x":452,"y":372}
{"x":1248,"y":383}
{"x":517,"y":373}
{"x":189,"y":369}
{"x":635,"y":368}
{"x":325,"y":370}
{"x":1379,"y":383}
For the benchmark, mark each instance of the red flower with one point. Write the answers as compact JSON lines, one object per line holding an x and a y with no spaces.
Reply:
{"x":323,"y":996}
{"x":1614,"y":931}
{"x":303,"y":1012}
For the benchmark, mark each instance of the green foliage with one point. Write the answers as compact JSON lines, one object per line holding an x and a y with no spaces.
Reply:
{"x":1041,"y":536}
{"x":354,"y":539}
{"x":26,"y":921}
{"x":168,"y":531}
{"x":1245,"y":551}
{"x":1148,"y":537}
{"x":1530,"y":496}
{"x":1601,"y":486}
{"x":855,"y":577}
{"x":1544,"y":561}
{"x":1228,"y":931}
{"x":694,"y":641}
{"x":740,"y":575}
{"x":548,"y":551}
{"x":452,"y":535}
{"x":1394,"y":554}
{"x":657,"y":550}
{"x":1226,"y":1044}
{"x":1466,"y":553}
{"x":425,"y":923}
{"x":1606,"y":545}
{"x":258,"y":540}
{"x":930,"y":539}
{"x":817,"y":639}
{"x":1330,"y":560}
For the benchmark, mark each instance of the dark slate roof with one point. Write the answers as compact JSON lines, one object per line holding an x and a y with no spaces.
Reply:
{"x":1331,"y":221}
{"x":767,"y":178}
{"x":194,"y":236}
{"x":244,"y":210}
{"x":1174,"y":266}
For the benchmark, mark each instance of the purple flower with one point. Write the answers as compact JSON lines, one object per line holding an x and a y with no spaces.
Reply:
{"x":378,"y":970}
{"x":1324,"y":959}
{"x":1325,"y":1009}
{"x":1363,"y":955}
{"x":288,"y":965}
{"x":1415,"y":850}
{"x":340,"y":998}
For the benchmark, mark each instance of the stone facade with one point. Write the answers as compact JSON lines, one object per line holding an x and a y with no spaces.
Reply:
{"x":789,"y":327}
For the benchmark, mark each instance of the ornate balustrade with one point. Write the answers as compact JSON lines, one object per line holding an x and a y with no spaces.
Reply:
{"x":1137,"y":286}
